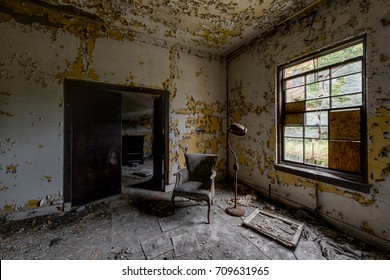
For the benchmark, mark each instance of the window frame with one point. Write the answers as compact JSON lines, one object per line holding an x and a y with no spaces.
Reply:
{"x":357,"y":182}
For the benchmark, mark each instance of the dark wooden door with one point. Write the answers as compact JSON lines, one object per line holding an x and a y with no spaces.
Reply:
{"x":96,"y":144}
{"x":158,"y":143}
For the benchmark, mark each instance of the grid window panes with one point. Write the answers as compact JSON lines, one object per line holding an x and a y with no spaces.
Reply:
{"x":321,"y":111}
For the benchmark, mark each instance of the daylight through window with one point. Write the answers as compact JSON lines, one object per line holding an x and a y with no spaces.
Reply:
{"x":321,"y":110}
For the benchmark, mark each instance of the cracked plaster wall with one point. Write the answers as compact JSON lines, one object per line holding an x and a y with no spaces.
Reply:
{"x":251,"y":90}
{"x":36,"y":55}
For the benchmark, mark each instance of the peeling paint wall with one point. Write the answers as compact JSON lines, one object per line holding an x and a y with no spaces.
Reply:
{"x":215,"y":26}
{"x":198,"y":117}
{"x":252,"y":92}
{"x":40,"y":47}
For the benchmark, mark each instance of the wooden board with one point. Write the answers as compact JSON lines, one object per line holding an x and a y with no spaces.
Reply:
{"x":279,"y":228}
{"x":294,"y":119}
{"x":344,"y":155}
{"x":345,"y":125}
{"x":295,"y":107}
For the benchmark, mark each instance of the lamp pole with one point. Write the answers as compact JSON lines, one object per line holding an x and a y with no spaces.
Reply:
{"x":235,"y":210}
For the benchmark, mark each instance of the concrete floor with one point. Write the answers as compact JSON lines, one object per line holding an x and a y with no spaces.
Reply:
{"x":139,"y":225}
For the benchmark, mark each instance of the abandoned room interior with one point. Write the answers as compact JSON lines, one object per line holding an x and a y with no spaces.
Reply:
{"x":101,"y":102}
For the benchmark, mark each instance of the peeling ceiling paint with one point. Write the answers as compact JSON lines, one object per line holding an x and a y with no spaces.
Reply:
{"x":214,"y":26}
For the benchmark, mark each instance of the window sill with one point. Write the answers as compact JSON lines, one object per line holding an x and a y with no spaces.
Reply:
{"x":352,"y":182}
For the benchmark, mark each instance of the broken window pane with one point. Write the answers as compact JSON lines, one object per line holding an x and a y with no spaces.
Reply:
{"x":316,"y":152}
{"x":347,"y":84}
{"x":317,"y":90}
{"x":295,"y":94}
{"x":350,"y":68}
{"x":295,"y":82}
{"x":293,"y":131}
{"x":341,"y":55}
{"x":317,"y":77}
{"x":316,"y":118}
{"x":316,"y":132}
{"x":317,"y":104}
{"x":300,"y":68}
{"x":293,"y":149}
{"x":347,"y":101}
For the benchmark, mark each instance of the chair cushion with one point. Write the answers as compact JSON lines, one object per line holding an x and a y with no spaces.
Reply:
{"x":192,"y":190}
{"x":200,"y":166}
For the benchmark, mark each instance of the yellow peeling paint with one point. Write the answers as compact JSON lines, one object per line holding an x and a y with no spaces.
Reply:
{"x":290,"y":180}
{"x":47,"y":178}
{"x":174,"y":128}
{"x":208,"y":123}
{"x":130,"y":80}
{"x":193,"y":144}
{"x":173,"y":73}
{"x":200,"y":72}
{"x":240,"y":106}
{"x":218,"y":36}
{"x":198,"y":107}
{"x":9,"y":208}
{"x":76,"y":69}
{"x":93,"y":75}
{"x":379,"y":163}
{"x":87,"y":30}
{"x":13,"y":168}
{"x":364,"y":200}
{"x":213,"y":144}
{"x":365,"y":226}
{"x":32,"y":203}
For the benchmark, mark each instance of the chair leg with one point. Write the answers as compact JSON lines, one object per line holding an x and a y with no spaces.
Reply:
{"x":208,"y":211}
{"x":173,"y":204}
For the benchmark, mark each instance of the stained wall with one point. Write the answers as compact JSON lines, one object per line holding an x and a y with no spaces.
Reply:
{"x":40,"y":48}
{"x":252,"y":102}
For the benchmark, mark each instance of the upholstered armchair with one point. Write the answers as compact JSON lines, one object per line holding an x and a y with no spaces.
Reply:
{"x":196,"y":182}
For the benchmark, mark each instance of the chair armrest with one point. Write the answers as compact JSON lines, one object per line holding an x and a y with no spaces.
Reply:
{"x":213,"y":175}
{"x":181,"y":177}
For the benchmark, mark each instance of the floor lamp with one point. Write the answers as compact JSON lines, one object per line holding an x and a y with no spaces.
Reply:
{"x":239,"y":130}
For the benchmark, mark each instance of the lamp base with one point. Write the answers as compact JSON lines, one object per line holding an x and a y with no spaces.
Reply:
{"x":235,"y":211}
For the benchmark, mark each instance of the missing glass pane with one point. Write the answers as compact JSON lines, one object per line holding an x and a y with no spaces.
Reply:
{"x":293,"y":149}
{"x":316,"y":152}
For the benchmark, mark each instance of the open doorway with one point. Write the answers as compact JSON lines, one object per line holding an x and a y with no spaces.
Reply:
{"x":93,"y":146}
{"x":140,"y":138}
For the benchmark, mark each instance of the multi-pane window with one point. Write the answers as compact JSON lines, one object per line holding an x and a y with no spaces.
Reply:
{"x":321,"y":110}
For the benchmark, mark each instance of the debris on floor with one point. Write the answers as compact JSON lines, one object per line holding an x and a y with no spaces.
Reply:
{"x":277,"y":227}
{"x":139,"y":226}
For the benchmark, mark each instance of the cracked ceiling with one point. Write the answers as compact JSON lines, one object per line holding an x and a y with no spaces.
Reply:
{"x":213,"y":26}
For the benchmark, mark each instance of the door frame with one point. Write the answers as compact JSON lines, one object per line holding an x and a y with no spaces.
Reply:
{"x":68,"y":125}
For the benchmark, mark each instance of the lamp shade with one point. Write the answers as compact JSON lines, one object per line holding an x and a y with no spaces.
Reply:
{"x":237,"y":129}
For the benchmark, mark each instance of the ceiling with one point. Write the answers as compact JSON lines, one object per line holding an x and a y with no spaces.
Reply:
{"x":214,"y":26}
